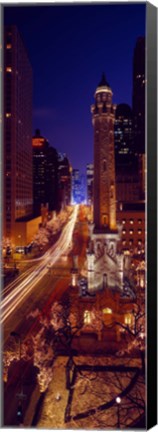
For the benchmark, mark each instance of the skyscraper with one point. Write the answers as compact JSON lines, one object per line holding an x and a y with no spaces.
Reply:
{"x":123,"y":130}
{"x":90,"y":180}
{"x":17,"y":142}
{"x":45,"y":174}
{"x":78,"y":187}
{"x":126,"y":162}
{"x":64,"y":180}
{"x":139,"y":95}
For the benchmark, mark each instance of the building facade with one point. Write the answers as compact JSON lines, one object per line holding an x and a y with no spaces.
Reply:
{"x":139,"y":96}
{"x":17,"y":140}
{"x":90,"y":180}
{"x":123,"y":132}
{"x":64,"y":181}
{"x":45,"y":174}
{"x":132,"y":220}
{"x":78,"y":187}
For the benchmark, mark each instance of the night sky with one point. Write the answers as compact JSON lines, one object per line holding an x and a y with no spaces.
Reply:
{"x":69,"y":48}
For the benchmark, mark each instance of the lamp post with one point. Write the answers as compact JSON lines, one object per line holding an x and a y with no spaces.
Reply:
{"x":118,"y":401}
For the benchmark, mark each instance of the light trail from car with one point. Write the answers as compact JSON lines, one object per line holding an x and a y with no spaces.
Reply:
{"x":26,"y":286}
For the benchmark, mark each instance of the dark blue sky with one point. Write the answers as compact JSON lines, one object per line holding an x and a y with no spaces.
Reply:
{"x":69,"y":48}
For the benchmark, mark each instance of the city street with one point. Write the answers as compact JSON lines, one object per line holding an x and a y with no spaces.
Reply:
{"x":27,"y":282}
{"x":49,"y":288}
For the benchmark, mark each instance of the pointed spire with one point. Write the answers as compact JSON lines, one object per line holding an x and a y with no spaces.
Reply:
{"x":103,"y":82}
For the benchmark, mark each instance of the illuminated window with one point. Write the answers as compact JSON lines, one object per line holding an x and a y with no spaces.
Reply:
{"x":139,"y":242}
{"x":124,"y":221}
{"x":139,"y":231}
{"x":107,"y":310}
{"x":8,"y":69}
{"x":8,"y":46}
{"x":124,"y":232}
{"x":139,"y":221}
{"x":8,"y":115}
{"x":131,"y":232}
{"x":87,"y":317}
{"x":128,"y":319}
{"x":131,"y":221}
{"x":124,"y":242}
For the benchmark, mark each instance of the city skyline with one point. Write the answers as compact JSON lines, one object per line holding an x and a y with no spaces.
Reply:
{"x":66,"y":71}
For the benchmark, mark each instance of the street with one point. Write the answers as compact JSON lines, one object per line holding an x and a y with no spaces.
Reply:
{"x":47,"y":285}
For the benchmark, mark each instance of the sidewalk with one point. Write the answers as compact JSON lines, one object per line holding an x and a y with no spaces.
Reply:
{"x":53,"y":408}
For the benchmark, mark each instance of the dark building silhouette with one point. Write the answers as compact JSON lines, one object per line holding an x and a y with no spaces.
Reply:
{"x":45,"y":174}
{"x":128,"y":183}
{"x":64,"y":181}
{"x":17,"y":140}
{"x":139,"y":96}
{"x":123,"y":132}
{"x":90,"y":182}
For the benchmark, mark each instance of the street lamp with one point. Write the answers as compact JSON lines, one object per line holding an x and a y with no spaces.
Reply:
{"x":118,"y":401}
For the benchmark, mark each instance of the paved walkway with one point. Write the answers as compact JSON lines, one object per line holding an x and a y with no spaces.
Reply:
{"x":55,"y":401}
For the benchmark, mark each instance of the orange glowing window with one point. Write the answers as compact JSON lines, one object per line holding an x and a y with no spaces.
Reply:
{"x":8,"y":115}
{"x":8,"y":46}
{"x":8,"y":69}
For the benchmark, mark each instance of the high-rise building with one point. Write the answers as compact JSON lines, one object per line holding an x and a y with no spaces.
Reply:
{"x":64,"y":180}
{"x":78,"y":187}
{"x":123,"y":132}
{"x":17,"y":141}
{"x":75,"y":187}
{"x":139,"y":96}
{"x":128,"y":186}
{"x":45,"y":174}
{"x":90,"y":180}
